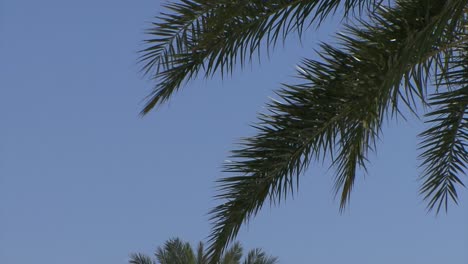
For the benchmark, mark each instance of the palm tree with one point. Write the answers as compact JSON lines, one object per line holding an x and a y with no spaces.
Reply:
{"x":175,"y":251}
{"x":395,"y":54}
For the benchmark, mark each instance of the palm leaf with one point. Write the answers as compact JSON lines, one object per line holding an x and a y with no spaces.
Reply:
{"x":257,"y":256}
{"x":216,"y":35}
{"x":445,"y":143}
{"x":175,"y":251}
{"x":140,"y":259}
{"x":233,"y":255}
{"x":201,"y":256}
{"x":338,"y":109}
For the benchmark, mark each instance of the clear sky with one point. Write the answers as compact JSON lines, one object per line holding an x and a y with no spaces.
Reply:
{"x":84,"y":179}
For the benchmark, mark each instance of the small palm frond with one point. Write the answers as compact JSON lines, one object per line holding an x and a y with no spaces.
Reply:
{"x":201,"y":256}
{"x":445,"y":143}
{"x":337,"y":111}
{"x":233,"y":255}
{"x":216,"y":35}
{"x":175,"y":251}
{"x":138,"y":258}
{"x":257,"y":256}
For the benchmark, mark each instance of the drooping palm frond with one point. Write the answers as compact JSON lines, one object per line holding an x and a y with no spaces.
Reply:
{"x":445,"y":148}
{"x":339,"y":109}
{"x":214,"y":36}
{"x":445,"y":143}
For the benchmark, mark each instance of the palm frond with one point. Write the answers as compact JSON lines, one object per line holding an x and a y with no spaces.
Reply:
{"x":138,"y":258}
{"x":257,"y":256}
{"x":337,"y":110}
{"x":175,"y":251}
{"x":201,"y":256}
{"x":445,"y":143}
{"x":233,"y":255}
{"x":216,"y":35}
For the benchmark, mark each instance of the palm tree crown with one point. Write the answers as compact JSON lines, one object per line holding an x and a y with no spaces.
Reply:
{"x":175,"y":251}
{"x":385,"y":61}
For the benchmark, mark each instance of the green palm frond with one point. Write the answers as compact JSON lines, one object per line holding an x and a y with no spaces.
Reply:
{"x":339,"y":109}
{"x":445,"y":143}
{"x":201,"y":256}
{"x":214,"y":36}
{"x":445,"y":148}
{"x":257,"y":256}
{"x":233,"y":255}
{"x":140,"y":259}
{"x":175,"y":251}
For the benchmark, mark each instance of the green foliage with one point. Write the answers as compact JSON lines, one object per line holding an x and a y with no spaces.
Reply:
{"x":384,"y":61}
{"x":175,"y":251}
{"x":215,"y":35}
{"x":445,"y":143}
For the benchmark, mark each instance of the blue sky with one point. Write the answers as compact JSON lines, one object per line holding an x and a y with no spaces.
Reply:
{"x":85,"y":179}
